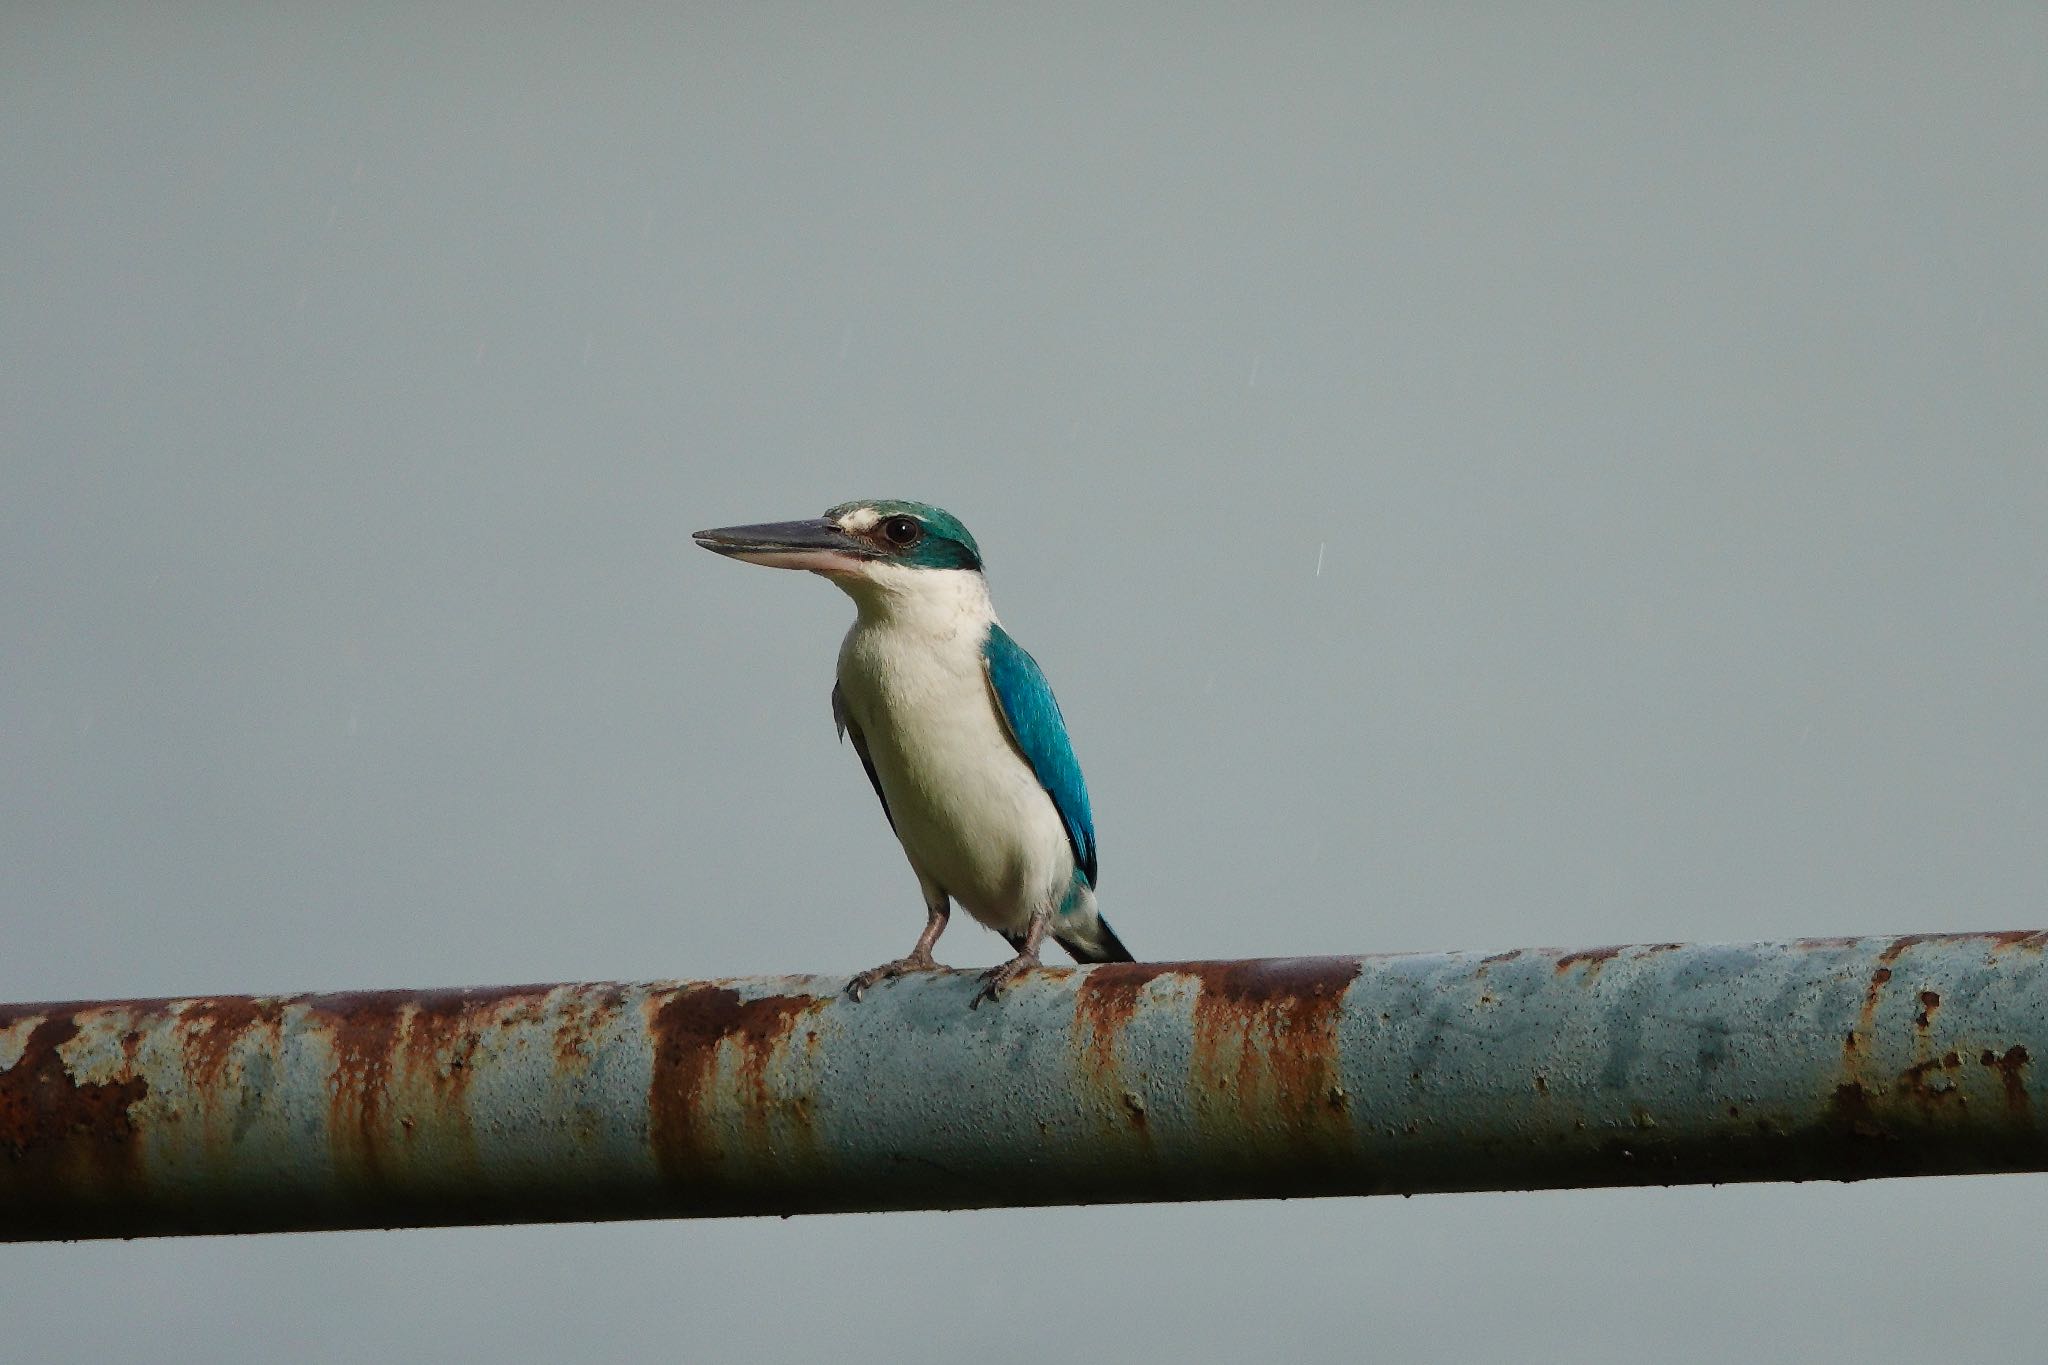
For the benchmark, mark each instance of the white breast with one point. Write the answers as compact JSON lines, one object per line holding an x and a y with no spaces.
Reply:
{"x":969,"y":811}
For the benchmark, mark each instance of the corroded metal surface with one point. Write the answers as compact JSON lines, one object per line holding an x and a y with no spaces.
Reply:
{"x":1659,"y":1064}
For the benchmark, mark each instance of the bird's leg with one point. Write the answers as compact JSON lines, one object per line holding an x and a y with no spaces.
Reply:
{"x":995,"y":978}
{"x":937,"y":911}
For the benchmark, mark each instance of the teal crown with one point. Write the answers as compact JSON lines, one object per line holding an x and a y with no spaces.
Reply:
{"x":945,"y":544}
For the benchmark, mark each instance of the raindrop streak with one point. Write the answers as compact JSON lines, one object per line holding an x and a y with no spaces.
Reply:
{"x":1321,"y":546}
{"x":1252,"y":380}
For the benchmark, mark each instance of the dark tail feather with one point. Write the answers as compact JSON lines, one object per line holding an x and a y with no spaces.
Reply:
{"x":1102,"y":946}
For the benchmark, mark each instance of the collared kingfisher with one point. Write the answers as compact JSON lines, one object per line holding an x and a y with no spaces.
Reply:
{"x":957,"y":729}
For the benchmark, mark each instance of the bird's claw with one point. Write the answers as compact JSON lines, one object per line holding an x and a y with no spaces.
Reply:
{"x":889,"y":971}
{"x":995,"y":978}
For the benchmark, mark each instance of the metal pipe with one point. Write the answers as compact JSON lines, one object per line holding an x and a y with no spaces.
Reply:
{"x":1823,"y":1059}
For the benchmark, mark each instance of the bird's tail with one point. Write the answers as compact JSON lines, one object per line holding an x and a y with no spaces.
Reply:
{"x":1096,"y":942}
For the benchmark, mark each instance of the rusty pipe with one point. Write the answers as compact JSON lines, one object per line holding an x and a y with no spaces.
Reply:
{"x":1663,"y":1064}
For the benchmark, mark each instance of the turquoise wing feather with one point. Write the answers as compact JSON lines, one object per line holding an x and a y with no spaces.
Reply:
{"x":1025,"y":701}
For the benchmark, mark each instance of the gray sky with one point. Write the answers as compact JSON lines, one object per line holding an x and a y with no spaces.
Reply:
{"x":1660,"y":394}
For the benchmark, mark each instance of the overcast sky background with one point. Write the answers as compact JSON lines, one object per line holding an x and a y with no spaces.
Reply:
{"x":1477,"y":478}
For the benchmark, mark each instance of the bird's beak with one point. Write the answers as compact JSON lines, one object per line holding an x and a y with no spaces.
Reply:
{"x":817,"y":545}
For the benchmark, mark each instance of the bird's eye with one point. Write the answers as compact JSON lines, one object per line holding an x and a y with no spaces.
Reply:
{"x":902,"y":532}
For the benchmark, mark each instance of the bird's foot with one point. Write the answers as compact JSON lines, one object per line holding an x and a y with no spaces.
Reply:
{"x":996,"y":978}
{"x":889,"y":971}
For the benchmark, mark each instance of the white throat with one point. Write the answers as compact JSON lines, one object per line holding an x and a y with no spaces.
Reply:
{"x":936,"y":602}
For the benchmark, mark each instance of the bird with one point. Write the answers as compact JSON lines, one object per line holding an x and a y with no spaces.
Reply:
{"x":957,"y":729}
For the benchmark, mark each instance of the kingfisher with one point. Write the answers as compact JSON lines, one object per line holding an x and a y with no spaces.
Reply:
{"x":957,"y":729}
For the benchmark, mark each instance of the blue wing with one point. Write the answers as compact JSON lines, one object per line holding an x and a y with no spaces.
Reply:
{"x":1025,"y":702}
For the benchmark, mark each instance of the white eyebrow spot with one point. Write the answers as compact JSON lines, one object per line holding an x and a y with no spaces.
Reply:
{"x":860,"y":519}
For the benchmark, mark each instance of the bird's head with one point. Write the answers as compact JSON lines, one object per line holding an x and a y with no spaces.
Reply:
{"x":855,"y":542}
{"x":896,"y":560}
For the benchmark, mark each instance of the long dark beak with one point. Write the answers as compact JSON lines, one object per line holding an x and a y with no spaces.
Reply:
{"x":817,"y":545}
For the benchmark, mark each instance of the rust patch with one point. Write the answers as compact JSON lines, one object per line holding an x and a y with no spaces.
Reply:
{"x":402,"y":1052}
{"x":1102,"y":1009}
{"x":2027,"y":940}
{"x":585,"y":1016}
{"x":1594,"y":958}
{"x":1266,"y":1047}
{"x":1995,"y":941}
{"x":392,"y":1048}
{"x":445,"y":1030}
{"x":1867,"y":1015}
{"x":362,"y":1028}
{"x":208,"y":1030}
{"x":1850,"y":1108}
{"x":1930,"y":1002}
{"x":1105,"y":1003}
{"x":59,"y":1133}
{"x":1853,"y":1043}
{"x":691,"y":1028}
{"x":1314,"y":985}
{"x":2012,"y":1069}
{"x":1929,"y":1085}
{"x":442,"y":1034}
{"x":1898,"y":946}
